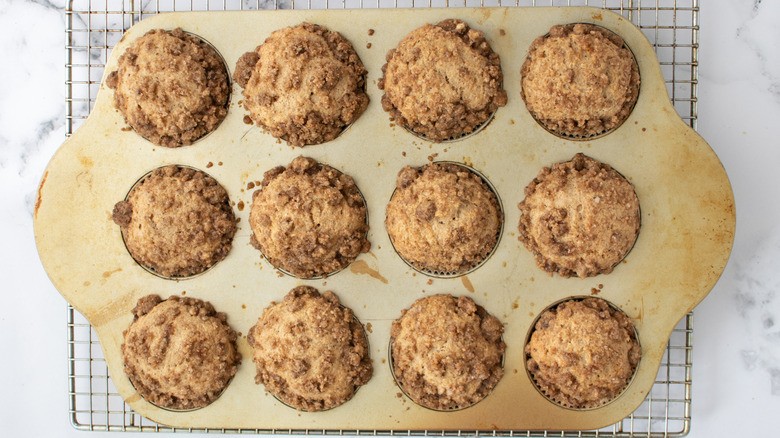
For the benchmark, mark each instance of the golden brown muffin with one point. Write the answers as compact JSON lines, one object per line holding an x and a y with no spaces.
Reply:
{"x":176,"y":221}
{"x":304,"y":84}
{"x":443,"y":218}
{"x":171,"y":87}
{"x":579,"y":217}
{"x":580,"y":80}
{"x":582,"y":353}
{"x":308,"y":219}
{"x":447,"y":352}
{"x":442,"y":81}
{"x":311,"y":353}
{"x":179,"y":353}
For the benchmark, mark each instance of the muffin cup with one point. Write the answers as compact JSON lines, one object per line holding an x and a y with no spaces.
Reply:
{"x":144,"y":266}
{"x":575,"y":137}
{"x":357,"y":388}
{"x":463,"y":136}
{"x":454,"y":274}
{"x":327,"y":274}
{"x":391,"y":363}
{"x":550,"y":398}
{"x":227,"y":100}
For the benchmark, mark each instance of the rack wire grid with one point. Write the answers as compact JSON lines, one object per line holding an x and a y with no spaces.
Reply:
{"x":94,"y":27}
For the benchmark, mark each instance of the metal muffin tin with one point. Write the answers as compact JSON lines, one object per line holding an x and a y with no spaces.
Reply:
{"x":686,"y":199}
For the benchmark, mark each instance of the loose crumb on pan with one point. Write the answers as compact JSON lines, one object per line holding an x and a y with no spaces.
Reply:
{"x":310,"y":351}
{"x":583,"y":353}
{"x":171,"y":87}
{"x":580,"y":80}
{"x":443,"y":217}
{"x":308,"y":219}
{"x":179,"y":353}
{"x":304,"y":84}
{"x":176,"y":221}
{"x":579,"y":217}
{"x":447,"y":352}
{"x":442,"y":81}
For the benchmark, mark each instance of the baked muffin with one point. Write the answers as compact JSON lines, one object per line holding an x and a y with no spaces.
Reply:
{"x":304,"y":84}
{"x":447,"y":352}
{"x":582,"y":353}
{"x":176,"y":221}
{"x":311,"y":353}
{"x":308,"y":219}
{"x":580,"y":80}
{"x":579,"y":217}
{"x":171,"y":87}
{"x":443,"y":218}
{"x":179,"y":353}
{"x":442,"y":81}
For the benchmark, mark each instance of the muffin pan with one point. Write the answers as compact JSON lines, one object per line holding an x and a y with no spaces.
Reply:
{"x":686,"y":236}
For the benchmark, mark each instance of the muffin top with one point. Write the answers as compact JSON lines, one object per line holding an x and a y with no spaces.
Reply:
{"x":447,"y":352}
{"x":308,"y":219}
{"x":176,"y":221}
{"x":580,"y":217}
{"x":443,"y":217}
{"x":310,"y":351}
{"x":171,"y":87}
{"x":179,"y":353}
{"x":583,"y":353}
{"x":442,"y":81}
{"x":580,"y":80}
{"x":304,"y":84}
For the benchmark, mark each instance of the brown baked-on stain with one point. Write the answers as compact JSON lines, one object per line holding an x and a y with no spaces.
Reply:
{"x":86,"y":162}
{"x":209,"y":165}
{"x":369,"y":327}
{"x":361,"y":267}
{"x":107,"y":274}
{"x":370,"y":32}
{"x":40,"y":199}
{"x":240,"y":206}
{"x":467,"y":283}
{"x":368,"y":46}
{"x":250,"y":185}
{"x":598,"y":16}
{"x":501,"y":32}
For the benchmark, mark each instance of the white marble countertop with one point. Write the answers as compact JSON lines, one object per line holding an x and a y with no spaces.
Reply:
{"x":736,"y":365}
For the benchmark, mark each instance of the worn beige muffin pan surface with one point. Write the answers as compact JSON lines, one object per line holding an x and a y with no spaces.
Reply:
{"x":686,"y":202}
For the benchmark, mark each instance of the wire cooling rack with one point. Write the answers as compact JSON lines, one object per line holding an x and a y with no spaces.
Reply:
{"x":94,"y":27}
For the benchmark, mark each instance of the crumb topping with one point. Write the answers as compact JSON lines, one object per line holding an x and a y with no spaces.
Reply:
{"x":308,"y":219}
{"x":310,"y":352}
{"x":179,"y":353}
{"x":442,"y":81}
{"x":443,"y":217}
{"x":177,"y":221}
{"x":304,"y":84}
{"x":583,"y":353}
{"x":580,"y":80}
{"x":171,"y":87}
{"x":580,"y":217}
{"x":447,"y":352}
